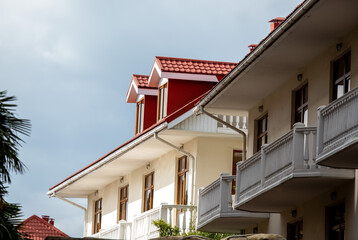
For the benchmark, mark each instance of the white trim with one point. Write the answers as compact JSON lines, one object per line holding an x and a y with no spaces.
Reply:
{"x":108,"y":159}
{"x":132,"y":85}
{"x":146,"y":91}
{"x":190,"y":76}
{"x":162,"y":81}
{"x":157,"y":69}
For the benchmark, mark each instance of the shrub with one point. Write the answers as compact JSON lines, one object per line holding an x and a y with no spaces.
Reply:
{"x":166,"y":229}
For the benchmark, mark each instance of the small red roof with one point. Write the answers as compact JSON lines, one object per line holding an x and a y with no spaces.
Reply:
{"x":37,"y":228}
{"x":278,"y":19}
{"x":140,"y":80}
{"x":183,"y":65}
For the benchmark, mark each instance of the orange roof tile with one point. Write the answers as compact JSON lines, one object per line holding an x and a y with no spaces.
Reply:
{"x":182,"y":65}
{"x":140,"y":80}
{"x":37,"y":228}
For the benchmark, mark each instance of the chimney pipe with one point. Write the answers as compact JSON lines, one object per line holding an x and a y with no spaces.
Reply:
{"x":252,"y":47}
{"x":45,"y":217}
{"x":52,"y":221}
{"x":276,"y":22}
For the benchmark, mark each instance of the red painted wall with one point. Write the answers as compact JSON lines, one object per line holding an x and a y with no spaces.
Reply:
{"x":181,"y":92}
{"x":150,"y":111}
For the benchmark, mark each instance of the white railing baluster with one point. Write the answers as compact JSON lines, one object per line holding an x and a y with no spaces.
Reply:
{"x":306,"y":149}
{"x":314,"y":153}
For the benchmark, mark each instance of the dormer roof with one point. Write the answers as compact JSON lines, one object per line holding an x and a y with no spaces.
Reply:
{"x":193,"y":66}
{"x":188,"y":69}
{"x":139,"y":86}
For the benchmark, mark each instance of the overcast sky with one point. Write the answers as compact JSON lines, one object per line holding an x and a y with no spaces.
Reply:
{"x":69,"y":63}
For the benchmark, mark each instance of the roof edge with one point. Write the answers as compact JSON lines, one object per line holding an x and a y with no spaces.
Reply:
{"x":290,"y":20}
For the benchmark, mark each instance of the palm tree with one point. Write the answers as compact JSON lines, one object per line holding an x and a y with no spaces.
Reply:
{"x":10,"y":128}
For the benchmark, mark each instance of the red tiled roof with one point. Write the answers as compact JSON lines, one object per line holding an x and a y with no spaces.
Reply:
{"x":278,"y":19}
{"x":37,"y":228}
{"x":140,"y":80}
{"x":183,"y":65}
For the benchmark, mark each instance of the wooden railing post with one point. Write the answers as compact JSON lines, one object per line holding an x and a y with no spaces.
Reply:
{"x":320,"y":130}
{"x":223,"y":193}
{"x":263,"y":164}
{"x":297,"y":146}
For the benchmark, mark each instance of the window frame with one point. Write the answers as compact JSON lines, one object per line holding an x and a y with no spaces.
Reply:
{"x":139,"y":116}
{"x":123,"y":200}
{"x":150,"y":189}
{"x":341,"y":225}
{"x":182,"y":181}
{"x":345,"y":78}
{"x":261,"y":134}
{"x":162,"y":101}
{"x":233,"y":184}
{"x":302,"y":107}
{"x":98,"y":205}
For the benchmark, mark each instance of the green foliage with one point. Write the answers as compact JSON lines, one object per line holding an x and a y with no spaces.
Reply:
{"x":216,"y":236}
{"x":166,"y":229}
{"x":10,"y":128}
{"x":9,"y":218}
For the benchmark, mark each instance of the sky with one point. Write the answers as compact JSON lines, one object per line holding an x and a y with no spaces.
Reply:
{"x":69,"y":63}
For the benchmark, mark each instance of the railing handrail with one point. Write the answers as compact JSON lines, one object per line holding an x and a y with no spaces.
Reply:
{"x":339,"y":101}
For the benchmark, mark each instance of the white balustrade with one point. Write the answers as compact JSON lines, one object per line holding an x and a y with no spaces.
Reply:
{"x":215,"y":198}
{"x":338,"y":122}
{"x":295,"y":150}
{"x":122,"y":230}
{"x":236,"y":121}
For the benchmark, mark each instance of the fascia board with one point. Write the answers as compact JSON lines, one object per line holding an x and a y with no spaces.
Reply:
{"x":189,"y":76}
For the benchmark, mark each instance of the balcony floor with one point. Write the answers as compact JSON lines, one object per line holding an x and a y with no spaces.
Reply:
{"x":294,"y":189}
{"x":344,"y":156}
{"x":232,"y":221}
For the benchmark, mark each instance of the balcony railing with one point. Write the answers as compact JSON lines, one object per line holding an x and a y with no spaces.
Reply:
{"x":275,"y":161}
{"x":176,"y":215}
{"x":215,"y":198}
{"x":122,"y":230}
{"x":215,"y":209}
{"x":338,"y":132}
{"x":236,"y":121}
{"x":280,"y":165}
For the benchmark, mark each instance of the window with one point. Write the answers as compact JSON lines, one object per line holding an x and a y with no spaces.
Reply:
{"x":237,"y":157}
{"x":335,"y":222}
{"x":139,"y":116}
{"x":341,"y":76}
{"x":261,"y":137}
{"x":295,"y":231}
{"x":97,"y":215}
{"x":162,"y":107}
{"x":148,"y":191}
{"x":123,"y":203}
{"x":301,"y":105}
{"x":182,"y":188}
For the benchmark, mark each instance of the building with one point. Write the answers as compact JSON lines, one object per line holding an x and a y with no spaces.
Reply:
{"x":36,"y":228}
{"x":298,"y":86}
{"x":158,"y":172}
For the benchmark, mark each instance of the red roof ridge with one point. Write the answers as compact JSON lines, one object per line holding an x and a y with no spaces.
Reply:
{"x":38,"y":228}
{"x":193,"y":60}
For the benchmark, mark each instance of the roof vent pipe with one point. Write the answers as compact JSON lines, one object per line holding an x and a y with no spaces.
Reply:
{"x":276,"y":22}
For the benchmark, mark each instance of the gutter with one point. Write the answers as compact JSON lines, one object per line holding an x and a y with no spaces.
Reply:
{"x":229,"y":126}
{"x":180,"y":149}
{"x":108,"y":159}
{"x":265,"y":44}
{"x":70,"y":202}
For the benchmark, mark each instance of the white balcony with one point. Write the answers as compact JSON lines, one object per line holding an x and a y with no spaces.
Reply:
{"x":338,"y":132}
{"x":284,"y":174}
{"x":215,"y":211}
{"x":142,"y":228}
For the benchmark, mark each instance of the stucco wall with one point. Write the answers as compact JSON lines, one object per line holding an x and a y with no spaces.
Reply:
{"x":212,"y":156}
{"x":317,"y":74}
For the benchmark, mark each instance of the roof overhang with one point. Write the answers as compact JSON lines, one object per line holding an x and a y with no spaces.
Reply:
{"x":132,"y":155}
{"x":306,"y":33}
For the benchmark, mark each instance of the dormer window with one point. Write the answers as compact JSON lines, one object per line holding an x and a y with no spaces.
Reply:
{"x":162,"y":101}
{"x":139,"y":116}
